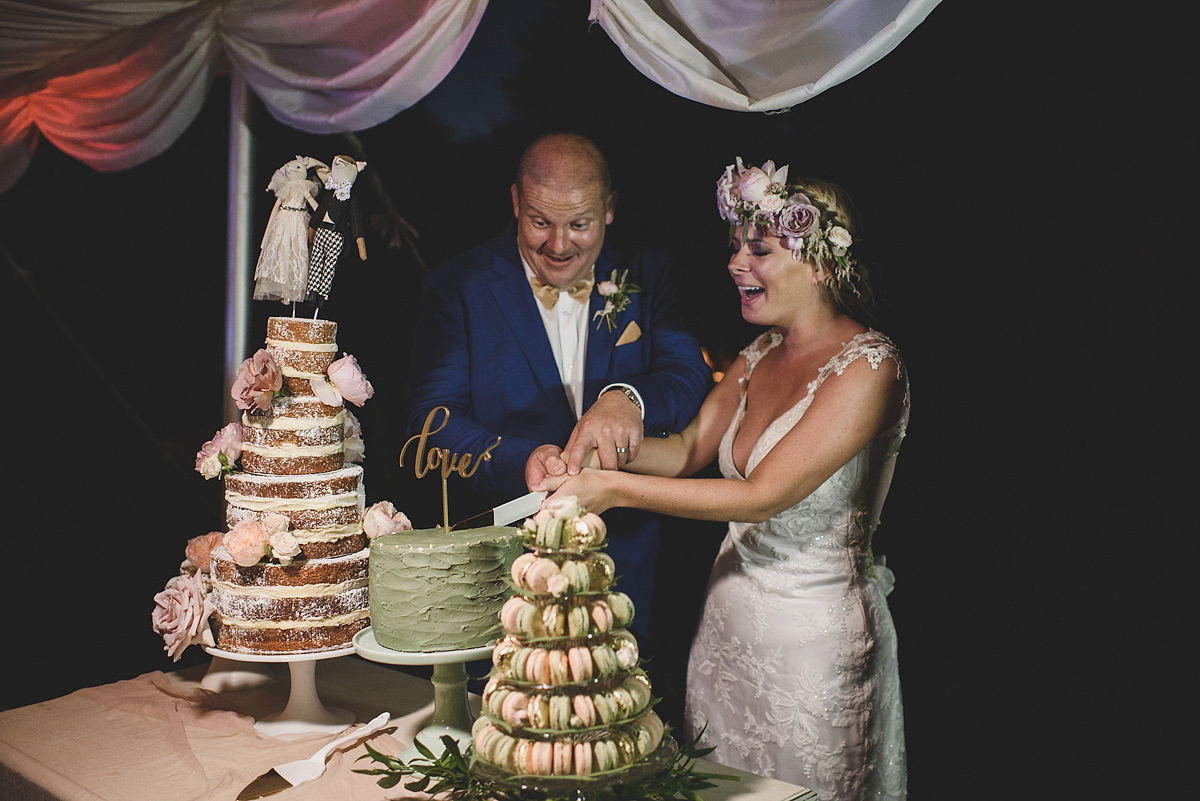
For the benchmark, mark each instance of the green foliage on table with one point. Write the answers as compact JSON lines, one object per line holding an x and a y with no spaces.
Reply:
{"x":451,"y":774}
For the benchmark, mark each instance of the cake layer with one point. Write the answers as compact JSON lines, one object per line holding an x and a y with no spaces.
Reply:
{"x":310,"y":604}
{"x":325,"y":509}
{"x":435,"y":590}
{"x":297,"y":435}
{"x":303,"y":349}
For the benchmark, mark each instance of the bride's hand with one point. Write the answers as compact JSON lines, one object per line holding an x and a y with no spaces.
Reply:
{"x":590,"y":487}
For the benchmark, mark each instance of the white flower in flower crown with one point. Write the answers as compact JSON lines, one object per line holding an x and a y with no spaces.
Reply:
{"x":839,"y":237}
{"x":753,"y":184}
{"x":771,"y":203}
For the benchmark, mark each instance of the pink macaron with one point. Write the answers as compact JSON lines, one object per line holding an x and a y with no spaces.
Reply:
{"x":580,"y":659}
{"x":584,"y":709}
{"x":583,"y":759}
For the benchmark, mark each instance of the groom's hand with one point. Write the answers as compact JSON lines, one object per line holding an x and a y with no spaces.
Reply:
{"x":545,"y":468}
{"x":610,"y":431}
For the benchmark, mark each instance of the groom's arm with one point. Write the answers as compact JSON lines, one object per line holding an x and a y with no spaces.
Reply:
{"x":670,"y":389}
{"x":440,"y":375}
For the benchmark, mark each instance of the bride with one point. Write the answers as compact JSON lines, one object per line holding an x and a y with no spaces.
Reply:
{"x":793,"y":671}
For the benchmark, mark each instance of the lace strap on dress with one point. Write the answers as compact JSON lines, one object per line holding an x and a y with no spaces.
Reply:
{"x":758,"y":348}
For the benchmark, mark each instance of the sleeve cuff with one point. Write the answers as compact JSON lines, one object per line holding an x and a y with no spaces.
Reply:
{"x":630,"y":392}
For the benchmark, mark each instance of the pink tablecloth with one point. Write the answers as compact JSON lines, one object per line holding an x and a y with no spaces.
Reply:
{"x":161,"y":737}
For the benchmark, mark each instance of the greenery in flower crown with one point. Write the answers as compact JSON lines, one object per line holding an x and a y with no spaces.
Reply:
{"x":450,"y":773}
{"x":760,"y":197}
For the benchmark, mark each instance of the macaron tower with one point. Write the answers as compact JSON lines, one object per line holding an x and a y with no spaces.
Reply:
{"x":567,"y":697}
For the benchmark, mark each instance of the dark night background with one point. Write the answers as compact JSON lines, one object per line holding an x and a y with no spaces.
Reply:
{"x":1017,"y":177}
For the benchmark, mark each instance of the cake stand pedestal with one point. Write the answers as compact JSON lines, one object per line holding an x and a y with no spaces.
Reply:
{"x":451,"y":713}
{"x":304,"y":711}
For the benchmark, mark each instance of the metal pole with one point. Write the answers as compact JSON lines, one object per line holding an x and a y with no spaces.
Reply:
{"x":237,"y":257}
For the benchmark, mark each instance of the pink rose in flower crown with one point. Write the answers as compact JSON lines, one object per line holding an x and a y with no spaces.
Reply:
{"x":799,"y":218}
{"x":247,"y":543}
{"x":382,"y":518}
{"x":258,"y":379}
{"x":753,"y":184}
{"x":220,"y":453}
{"x":181,"y":614}
{"x":352,"y":443}
{"x":199,"y":549}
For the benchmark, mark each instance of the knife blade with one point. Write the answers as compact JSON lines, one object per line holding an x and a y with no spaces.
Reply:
{"x":508,"y":512}
{"x":290,"y":774}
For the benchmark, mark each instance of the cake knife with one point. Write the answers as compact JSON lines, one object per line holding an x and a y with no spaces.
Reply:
{"x":290,"y":774}
{"x":509,"y":512}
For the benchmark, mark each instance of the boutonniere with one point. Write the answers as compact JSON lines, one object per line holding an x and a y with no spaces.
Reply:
{"x":616,"y":297}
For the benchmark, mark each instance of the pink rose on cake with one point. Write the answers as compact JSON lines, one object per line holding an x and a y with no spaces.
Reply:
{"x":352,"y":444}
{"x":220,"y":454}
{"x":199,"y":549}
{"x":258,"y":379}
{"x":346,"y":381}
{"x":247,"y":542}
{"x":382,"y":518}
{"x":181,"y":613}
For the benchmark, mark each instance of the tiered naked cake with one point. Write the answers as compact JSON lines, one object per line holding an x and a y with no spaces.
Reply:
{"x":308,"y":591}
{"x":567,"y":697}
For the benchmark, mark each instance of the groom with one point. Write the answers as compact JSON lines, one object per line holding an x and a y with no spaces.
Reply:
{"x":515,"y":341}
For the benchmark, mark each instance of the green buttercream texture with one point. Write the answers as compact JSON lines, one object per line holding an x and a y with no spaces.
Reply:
{"x":433,"y":590}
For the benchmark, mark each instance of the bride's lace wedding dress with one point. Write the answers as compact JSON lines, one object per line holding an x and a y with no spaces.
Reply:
{"x":793,"y":670}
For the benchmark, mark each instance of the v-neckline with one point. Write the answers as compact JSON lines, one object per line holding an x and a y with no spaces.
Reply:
{"x":773,"y":341}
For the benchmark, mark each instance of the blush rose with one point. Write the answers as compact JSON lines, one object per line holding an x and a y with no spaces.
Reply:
{"x":181,"y":614}
{"x":257,"y":380}
{"x":247,"y":542}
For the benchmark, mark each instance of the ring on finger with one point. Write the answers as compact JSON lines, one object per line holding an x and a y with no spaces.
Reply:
{"x":622,"y":450}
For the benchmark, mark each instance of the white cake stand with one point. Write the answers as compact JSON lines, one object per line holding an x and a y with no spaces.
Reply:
{"x":451,"y":713}
{"x":304,"y":711}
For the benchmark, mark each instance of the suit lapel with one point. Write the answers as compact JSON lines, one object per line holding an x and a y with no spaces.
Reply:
{"x":516,"y":306}
{"x":600,"y":342}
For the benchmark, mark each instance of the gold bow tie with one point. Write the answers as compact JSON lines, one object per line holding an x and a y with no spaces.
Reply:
{"x":548,"y":294}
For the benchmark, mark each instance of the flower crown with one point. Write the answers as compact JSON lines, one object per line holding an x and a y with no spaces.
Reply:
{"x":759,"y":196}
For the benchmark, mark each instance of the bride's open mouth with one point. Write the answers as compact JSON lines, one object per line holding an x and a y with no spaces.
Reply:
{"x":750,"y":292}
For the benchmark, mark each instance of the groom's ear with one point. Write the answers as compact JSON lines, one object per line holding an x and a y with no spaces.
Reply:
{"x":610,"y":207}
{"x":516,"y":199}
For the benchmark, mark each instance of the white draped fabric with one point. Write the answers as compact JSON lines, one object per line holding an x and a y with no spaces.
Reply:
{"x":756,"y":55}
{"x":115,"y":82}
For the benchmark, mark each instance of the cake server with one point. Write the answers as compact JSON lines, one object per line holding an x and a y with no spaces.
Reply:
{"x":290,"y":774}
{"x":509,"y":512}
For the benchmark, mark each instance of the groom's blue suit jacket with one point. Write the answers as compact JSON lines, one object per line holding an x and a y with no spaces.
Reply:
{"x":481,"y":350}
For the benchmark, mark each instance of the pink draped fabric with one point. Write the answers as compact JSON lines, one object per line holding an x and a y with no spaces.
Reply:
{"x":114,"y":83}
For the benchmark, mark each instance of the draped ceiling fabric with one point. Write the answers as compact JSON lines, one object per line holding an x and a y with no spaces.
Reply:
{"x":115,"y":82}
{"x":756,"y":55}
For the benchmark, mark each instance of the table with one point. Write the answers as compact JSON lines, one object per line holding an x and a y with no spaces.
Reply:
{"x":162,"y":737}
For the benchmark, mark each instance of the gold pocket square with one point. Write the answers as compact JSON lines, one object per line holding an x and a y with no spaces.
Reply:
{"x":632,"y":333}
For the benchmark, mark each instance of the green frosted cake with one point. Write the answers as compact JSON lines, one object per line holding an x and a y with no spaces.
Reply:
{"x":438,"y":590}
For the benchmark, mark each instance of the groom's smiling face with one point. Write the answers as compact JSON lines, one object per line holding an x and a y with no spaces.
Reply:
{"x":560,"y":227}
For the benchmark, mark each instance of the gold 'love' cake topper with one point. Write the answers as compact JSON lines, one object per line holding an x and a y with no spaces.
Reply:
{"x":441,"y":459}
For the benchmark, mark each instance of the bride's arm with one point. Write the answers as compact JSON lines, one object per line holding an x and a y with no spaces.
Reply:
{"x":846,"y":413}
{"x":685,"y":452}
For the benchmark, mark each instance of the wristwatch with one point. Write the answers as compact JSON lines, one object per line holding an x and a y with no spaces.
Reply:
{"x":630,"y":393}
